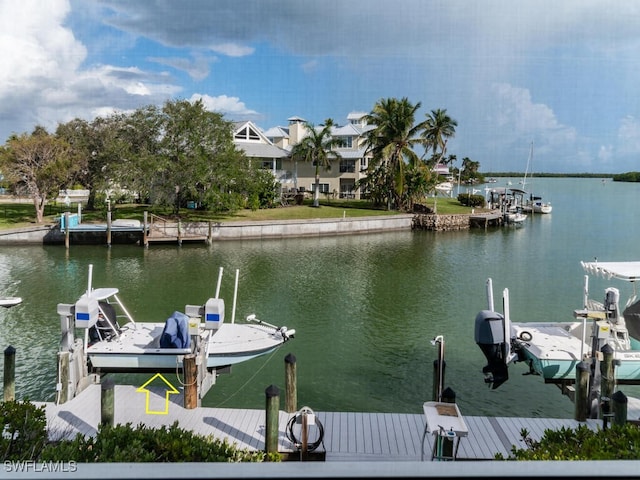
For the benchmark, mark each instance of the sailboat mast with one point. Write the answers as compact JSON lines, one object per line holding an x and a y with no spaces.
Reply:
{"x":524,"y":180}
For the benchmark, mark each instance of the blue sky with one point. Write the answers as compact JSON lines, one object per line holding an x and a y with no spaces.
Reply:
{"x":563,"y":74}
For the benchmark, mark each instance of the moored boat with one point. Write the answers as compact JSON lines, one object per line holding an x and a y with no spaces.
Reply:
{"x":8,"y":302}
{"x":553,"y":349}
{"x":109,"y":340}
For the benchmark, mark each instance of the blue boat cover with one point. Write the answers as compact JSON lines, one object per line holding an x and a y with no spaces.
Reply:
{"x":176,"y":331}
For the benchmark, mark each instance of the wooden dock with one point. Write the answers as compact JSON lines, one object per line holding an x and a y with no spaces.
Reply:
{"x":348,"y":436}
{"x":485,"y":220}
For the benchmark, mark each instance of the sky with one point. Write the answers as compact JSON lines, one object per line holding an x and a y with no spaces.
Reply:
{"x":561,"y":75}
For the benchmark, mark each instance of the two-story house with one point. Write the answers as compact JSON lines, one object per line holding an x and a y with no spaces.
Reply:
{"x":272,"y":148}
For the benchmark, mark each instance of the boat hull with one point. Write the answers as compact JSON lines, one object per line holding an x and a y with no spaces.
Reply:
{"x":138,"y":348}
{"x":554,"y":353}
{"x":10,"y":301}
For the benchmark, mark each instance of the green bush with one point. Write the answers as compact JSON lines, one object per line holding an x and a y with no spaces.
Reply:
{"x":24,"y":437}
{"x":123,"y":443}
{"x":24,"y":430}
{"x":469,"y":200}
{"x":614,"y":443}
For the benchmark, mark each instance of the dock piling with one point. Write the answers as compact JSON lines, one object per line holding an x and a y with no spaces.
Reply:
{"x":9,"y":373}
{"x":67,"y":230}
{"x":291,"y":388}
{"x":190,"y":381}
{"x":620,"y":404}
{"x":107,"y":403}
{"x":272,"y":394}
{"x":108,"y":228}
{"x":582,"y":405}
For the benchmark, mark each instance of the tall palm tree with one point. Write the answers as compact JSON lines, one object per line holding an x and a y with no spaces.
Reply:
{"x":391,"y":143}
{"x":439,"y":128}
{"x":317,"y":147}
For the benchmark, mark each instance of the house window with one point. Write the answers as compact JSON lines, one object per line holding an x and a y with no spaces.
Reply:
{"x":324,"y":187}
{"x":363,"y":164}
{"x":247,"y":133}
{"x":346,"y":142}
{"x":270,"y":164}
{"x":347,"y":166}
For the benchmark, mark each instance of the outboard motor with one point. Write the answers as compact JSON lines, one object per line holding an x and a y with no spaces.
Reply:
{"x":611,"y":301}
{"x":490,"y":337}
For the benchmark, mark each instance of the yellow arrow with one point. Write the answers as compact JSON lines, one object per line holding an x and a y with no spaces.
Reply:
{"x":168,"y":391}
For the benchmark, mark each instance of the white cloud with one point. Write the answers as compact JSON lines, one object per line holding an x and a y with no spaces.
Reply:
{"x":224,"y":104}
{"x":198,"y":68}
{"x":43,"y":80}
{"x":629,"y":136}
{"x":232,"y":49}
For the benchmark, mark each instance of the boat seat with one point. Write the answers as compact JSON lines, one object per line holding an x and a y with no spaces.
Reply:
{"x":106,"y":326}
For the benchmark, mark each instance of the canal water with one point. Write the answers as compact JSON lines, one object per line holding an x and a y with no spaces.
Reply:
{"x":365,"y":307}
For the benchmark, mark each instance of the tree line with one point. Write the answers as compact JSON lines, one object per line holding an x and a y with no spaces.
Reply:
{"x":179,"y":152}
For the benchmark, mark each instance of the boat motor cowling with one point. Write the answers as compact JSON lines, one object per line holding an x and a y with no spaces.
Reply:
{"x":490,"y":337}
{"x":611,"y":303}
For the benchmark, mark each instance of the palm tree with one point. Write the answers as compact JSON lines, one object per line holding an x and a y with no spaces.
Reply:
{"x":439,"y":128}
{"x":391,"y":143}
{"x":317,"y":147}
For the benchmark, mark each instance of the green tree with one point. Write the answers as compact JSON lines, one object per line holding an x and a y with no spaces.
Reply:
{"x":39,"y":165}
{"x":317,"y":147}
{"x":199,"y":159}
{"x":131,"y":151}
{"x":391,"y":143}
{"x":439,"y":127}
{"x":470,"y":170}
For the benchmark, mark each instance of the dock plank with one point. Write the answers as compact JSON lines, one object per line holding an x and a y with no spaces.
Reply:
{"x":348,"y":436}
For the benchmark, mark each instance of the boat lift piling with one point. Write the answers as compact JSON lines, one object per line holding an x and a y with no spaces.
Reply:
{"x":438,"y":369}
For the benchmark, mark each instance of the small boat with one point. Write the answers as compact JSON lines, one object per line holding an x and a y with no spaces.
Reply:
{"x":444,"y":187}
{"x":515,"y":217}
{"x":8,"y":302}
{"x":536,"y":205}
{"x":553,"y":349}
{"x":109,"y":340}
{"x":510,"y":202}
{"x":533,"y":203}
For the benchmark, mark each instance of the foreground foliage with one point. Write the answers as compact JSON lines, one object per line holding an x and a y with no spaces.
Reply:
{"x":24,"y":437}
{"x":614,"y":443}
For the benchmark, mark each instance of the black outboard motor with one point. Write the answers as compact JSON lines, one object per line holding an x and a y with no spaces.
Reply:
{"x":489,"y":335}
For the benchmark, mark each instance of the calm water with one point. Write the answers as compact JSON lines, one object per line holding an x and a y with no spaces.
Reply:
{"x":365,"y":307}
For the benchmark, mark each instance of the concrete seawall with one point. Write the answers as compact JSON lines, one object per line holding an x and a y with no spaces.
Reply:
{"x":221,"y":231}
{"x":51,"y":234}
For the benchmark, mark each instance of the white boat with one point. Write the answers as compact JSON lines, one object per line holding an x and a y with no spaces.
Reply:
{"x":510,"y":202}
{"x":8,"y":302}
{"x":533,"y":203}
{"x":553,"y":349}
{"x":515,"y":217}
{"x":109,"y":340}
{"x":536,"y":205}
{"x":444,"y":187}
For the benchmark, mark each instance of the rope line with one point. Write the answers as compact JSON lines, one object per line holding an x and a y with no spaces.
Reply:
{"x":249,"y":380}
{"x":311,"y":446}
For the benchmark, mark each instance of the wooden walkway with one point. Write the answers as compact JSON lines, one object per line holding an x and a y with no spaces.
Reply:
{"x":348,"y":436}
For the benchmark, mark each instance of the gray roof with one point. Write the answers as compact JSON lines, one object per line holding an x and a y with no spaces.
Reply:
{"x":261,"y":150}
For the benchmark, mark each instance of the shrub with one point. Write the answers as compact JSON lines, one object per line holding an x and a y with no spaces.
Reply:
{"x":24,"y":430}
{"x":614,"y":443}
{"x":471,"y":200}
{"x":123,"y":443}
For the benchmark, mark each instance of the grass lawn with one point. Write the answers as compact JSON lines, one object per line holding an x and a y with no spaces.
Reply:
{"x":16,"y":215}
